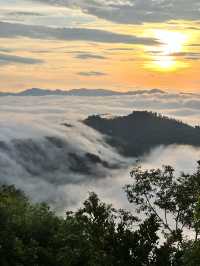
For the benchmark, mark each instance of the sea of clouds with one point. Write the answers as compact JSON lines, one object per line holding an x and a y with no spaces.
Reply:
{"x":44,"y":145}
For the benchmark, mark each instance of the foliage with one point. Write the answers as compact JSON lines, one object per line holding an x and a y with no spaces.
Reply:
{"x":99,"y":235}
{"x":172,"y":199}
{"x":175,"y":201}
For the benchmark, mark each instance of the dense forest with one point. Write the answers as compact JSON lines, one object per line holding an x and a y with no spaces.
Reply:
{"x":139,"y":132}
{"x":99,"y":235}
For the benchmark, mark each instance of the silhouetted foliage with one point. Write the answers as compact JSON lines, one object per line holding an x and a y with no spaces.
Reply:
{"x":175,"y":201}
{"x":99,"y":235}
{"x":139,"y":132}
{"x":172,"y":199}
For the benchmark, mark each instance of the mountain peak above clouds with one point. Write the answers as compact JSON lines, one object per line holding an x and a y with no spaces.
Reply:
{"x":139,"y":132}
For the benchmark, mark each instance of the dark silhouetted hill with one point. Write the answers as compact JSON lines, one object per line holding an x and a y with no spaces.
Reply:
{"x":139,"y":132}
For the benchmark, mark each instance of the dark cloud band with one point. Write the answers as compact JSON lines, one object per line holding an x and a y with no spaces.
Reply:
{"x":9,"y":30}
{"x":9,"y":59}
{"x":91,"y":73}
{"x":135,"y":11}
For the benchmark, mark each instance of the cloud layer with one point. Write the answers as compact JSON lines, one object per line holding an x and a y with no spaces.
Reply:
{"x":49,"y":153}
{"x":136,"y":11}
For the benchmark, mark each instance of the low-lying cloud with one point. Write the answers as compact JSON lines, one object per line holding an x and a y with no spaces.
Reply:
{"x":47,"y":151}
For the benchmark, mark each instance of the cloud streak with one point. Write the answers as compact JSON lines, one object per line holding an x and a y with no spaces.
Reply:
{"x":91,"y":73}
{"x":86,"y":56}
{"x":9,"y":59}
{"x":9,"y":30}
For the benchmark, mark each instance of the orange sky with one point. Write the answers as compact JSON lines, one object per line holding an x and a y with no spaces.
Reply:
{"x":170,"y":62}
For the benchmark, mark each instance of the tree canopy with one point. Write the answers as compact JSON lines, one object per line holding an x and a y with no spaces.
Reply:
{"x":99,"y":235}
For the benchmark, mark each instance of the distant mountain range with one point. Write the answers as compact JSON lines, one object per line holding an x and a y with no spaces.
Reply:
{"x":138,"y":133}
{"x":78,"y":92}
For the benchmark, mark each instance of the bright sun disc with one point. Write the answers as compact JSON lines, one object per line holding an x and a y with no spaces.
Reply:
{"x":171,"y":44}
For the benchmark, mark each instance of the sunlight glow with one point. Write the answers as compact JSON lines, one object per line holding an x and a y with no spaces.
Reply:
{"x":172,"y":43}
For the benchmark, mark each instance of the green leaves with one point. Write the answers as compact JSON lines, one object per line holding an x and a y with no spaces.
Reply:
{"x":98,"y":234}
{"x":170,"y":198}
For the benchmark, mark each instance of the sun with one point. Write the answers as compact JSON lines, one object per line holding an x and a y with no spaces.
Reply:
{"x":164,"y":55}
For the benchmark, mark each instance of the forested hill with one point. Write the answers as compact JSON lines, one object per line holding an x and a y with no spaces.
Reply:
{"x":137,"y":133}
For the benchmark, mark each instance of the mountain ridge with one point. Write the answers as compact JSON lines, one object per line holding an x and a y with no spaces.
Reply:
{"x":141,"y":131}
{"x":78,"y":92}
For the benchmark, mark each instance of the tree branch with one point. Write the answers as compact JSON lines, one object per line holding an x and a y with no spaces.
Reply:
{"x":156,"y":213}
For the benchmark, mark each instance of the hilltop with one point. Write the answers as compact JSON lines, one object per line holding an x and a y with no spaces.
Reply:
{"x":140,"y":131}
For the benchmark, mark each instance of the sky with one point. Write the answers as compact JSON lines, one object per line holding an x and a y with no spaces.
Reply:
{"x":111,"y":44}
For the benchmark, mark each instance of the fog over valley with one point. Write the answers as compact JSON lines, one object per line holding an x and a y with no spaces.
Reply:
{"x":47,"y":150}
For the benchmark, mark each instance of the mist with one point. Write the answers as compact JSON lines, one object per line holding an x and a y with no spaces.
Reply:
{"x":47,"y":151}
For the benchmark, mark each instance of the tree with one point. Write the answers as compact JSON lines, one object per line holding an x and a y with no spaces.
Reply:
{"x":108,"y":236}
{"x":171,"y":199}
{"x":192,"y":248}
{"x":27,"y":231}
{"x":98,"y":234}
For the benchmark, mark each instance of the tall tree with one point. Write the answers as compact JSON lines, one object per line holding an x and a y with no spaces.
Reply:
{"x":172,"y":199}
